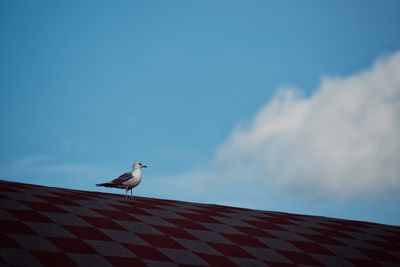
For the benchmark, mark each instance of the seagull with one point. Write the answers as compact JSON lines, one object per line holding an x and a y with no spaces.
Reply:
{"x":128,"y":180}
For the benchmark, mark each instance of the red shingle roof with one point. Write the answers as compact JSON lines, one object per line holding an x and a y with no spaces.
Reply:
{"x":44,"y":226}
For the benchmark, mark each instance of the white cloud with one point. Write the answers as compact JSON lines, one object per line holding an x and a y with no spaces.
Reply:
{"x":342,"y":140}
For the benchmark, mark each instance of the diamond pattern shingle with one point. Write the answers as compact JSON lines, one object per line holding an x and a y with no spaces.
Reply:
{"x":43,"y":226}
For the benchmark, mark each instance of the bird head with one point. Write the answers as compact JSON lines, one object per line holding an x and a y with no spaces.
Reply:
{"x":138,"y":165}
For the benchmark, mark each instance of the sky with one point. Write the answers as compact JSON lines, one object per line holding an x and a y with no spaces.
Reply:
{"x":274,"y":105}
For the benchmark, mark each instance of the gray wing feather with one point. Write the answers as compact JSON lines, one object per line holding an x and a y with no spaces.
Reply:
{"x":122,"y":178}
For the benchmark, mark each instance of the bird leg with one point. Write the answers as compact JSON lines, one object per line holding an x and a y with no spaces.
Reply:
{"x":126,"y":193}
{"x":131,"y":194}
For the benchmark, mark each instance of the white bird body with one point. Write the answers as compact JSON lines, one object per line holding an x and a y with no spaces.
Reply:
{"x":136,"y":178}
{"x":128,"y":180}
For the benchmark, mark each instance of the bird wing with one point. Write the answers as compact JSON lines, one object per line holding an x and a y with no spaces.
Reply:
{"x":122,"y":178}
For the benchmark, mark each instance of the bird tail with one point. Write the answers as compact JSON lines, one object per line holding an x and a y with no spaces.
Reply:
{"x":106,"y":184}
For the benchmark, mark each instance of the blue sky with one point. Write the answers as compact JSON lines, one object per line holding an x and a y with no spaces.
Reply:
{"x":223,"y":100}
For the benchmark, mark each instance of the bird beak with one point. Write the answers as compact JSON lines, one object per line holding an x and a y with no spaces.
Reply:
{"x":144,"y":166}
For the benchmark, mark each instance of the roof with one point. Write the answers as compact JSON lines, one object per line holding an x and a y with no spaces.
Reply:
{"x":45,"y":226}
